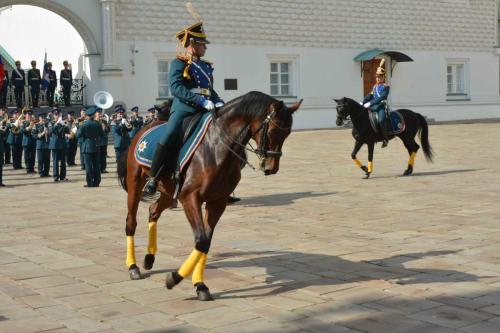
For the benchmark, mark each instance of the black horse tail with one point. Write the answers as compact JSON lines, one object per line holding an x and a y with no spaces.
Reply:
{"x":121,"y":169}
{"x":424,"y":138}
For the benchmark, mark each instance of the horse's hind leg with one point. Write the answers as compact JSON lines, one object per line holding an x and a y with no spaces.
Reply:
{"x":412,"y":148}
{"x":134,"y":185}
{"x":369,"y":170}
{"x":355,"y":150}
{"x":155,"y":210}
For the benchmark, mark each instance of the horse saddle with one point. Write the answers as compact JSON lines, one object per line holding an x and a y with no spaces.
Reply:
{"x":394,"y":123}
{"x":193,"y":131}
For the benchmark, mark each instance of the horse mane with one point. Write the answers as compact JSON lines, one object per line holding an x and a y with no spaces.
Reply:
{"x":251,"y":105}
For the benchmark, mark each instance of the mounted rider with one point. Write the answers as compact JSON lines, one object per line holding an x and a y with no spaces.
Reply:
{"x":376,"y":100}
{"x":191,"y":85}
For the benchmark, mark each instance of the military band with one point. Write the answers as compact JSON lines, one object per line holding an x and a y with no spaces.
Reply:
{"x":5,"y":88}
{"x":15,"y":140}
{"x":120,"y":128}
{"x":4,"y":119}
{"x":103,"y":140}
{"x":71,"y":141}
{"x":136,"y":121}
{"x":91,"y":132}
{"x":29,"y":141}
{"x":57,"y":145}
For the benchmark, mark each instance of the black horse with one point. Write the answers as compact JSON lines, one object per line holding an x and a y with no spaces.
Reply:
{"x":363,"y":132}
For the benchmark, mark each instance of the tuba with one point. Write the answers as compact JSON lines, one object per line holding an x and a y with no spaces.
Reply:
{"x":103,"y":99}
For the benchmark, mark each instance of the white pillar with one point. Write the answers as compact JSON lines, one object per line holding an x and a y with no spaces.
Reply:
{"x":109,"y":66}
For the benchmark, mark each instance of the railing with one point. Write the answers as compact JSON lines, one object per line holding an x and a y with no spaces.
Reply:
{"x":77,"y":95}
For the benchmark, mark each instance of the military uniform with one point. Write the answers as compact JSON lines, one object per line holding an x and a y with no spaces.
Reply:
{"x":120,"y":131}
{"x":91,"y":132}
{"x":137,"y":122}
{"x":15,"y":140}
{"x":18,"y":80}
{"x":66,"y":78}
{"x":57,"y":145}
{"x":52,"y":86}
{"x":71,"y":144}
{"x":3,"y":91}
{"x":34,"y":81}
{"x":191,"y":84}
{"x":103,"y":145}
{"x":41,"y":133}
{"x":3,"y":132}
{"x":151,"y":117}
{"x":7,"y":159}
{"x":29,"y":145}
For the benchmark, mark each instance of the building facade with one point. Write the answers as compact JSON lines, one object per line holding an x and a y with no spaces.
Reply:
{"x":297,"y":49}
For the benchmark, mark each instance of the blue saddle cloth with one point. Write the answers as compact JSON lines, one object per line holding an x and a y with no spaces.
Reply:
{"x":397,"y":122}
{"x":146,"y":145}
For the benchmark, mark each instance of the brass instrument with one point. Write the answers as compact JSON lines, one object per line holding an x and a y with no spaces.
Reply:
{"x":3,"y":123}
{"x":16,"y":125}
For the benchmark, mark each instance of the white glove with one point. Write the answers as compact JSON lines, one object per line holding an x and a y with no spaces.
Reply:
{"x":360,"y":103}
{"x":124,"y":121}
{"x":367,"y":105}
{"x":208,"y":105}
{"x":219,"y":104}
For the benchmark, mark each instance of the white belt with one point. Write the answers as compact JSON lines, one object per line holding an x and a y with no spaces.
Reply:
{"x":201,"y":91}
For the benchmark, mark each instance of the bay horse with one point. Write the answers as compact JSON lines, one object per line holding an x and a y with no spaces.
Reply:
{"x":211,"y":176}
{"x":363,"y":133}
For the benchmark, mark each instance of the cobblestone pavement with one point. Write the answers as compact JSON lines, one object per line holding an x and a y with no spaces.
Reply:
{"x":314,"y":248}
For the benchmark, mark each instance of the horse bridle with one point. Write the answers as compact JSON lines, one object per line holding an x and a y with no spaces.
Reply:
{"x":261,"y":150}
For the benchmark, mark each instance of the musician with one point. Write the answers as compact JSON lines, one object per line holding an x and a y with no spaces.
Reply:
{"x":29,"y":141}
{"x":91,"y":132}
{"x":52,"y":84}
{"x":103,"y":140}
{"x":3,"y":131}
{"x":5,"y":136}
{"x":71,"y":141}
{"x":15,"y":140}
{"x":41,"y":133}
{"x":136,"y":121}
{"x":66,"y":82}
{"x":80,"y":140}
{"x":120,"y":129}
{"x":57,"y":145}
{"x":191,"y":84}
{"x":5,"y":88}
{"x":18,"y":80}
{"x":34,"y":81}
{"x":150,"y":117}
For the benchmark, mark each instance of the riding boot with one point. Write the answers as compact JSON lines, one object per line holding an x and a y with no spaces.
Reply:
{"x":385,"y":136}
{"x":156,"y":170}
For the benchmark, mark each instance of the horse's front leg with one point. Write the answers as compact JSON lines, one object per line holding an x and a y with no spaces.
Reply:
{"x":213,"y":212}
{"x":155,"y":210}
{"x":355,"y":150}
{"x":192,"y":209}
{"x":369,"y":170}
{"x":134,"y":185}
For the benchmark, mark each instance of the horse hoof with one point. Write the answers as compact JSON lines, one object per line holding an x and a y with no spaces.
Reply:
{"x":367,"y":175}
{"x":203,"y":293}
{"x":364,"y":168}
{"x":172,"y":279}
{"x":149,"y":260}
{"x":134,"y":272}
{"x":408,"y":172}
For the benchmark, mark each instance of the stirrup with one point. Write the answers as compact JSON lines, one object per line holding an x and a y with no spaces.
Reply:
{"x":150,"y":187}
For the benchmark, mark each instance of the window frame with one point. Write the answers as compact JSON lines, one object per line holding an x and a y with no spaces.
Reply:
{"x":455,"y":94}
{"x":168,"y":57}
{"x":293,"y":76}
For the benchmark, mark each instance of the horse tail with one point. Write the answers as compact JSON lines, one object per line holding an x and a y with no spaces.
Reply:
{"x":121,"y":169}
{"x":424,"y":138}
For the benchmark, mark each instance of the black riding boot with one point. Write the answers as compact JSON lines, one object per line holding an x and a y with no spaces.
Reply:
{"x":155,"y":171}
{"x":385,"y":136}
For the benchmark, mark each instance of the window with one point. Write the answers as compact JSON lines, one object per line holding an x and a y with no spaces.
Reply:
{"x":457,"y":80}
{"x":163,"y":86}
{"x":281,"y":79}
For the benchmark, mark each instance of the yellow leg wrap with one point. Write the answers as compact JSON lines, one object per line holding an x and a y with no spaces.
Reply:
{"x":358,"y":163}
{"x":199,"y":270}
{"x":370,"y":167}
{"x":188,"y":265}
{"x":411,"y":161}
{"x":130,"y":251}
{"x":152,"y":248}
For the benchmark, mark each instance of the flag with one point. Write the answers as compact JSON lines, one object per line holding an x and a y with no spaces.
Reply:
{"x":46,"y":78}
{"x":2,"y":72}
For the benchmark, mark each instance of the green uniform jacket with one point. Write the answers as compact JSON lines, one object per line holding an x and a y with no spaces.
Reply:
{"x":90,"y":132}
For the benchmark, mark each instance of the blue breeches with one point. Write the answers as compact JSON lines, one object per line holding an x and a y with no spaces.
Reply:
{"x":174,"y":126}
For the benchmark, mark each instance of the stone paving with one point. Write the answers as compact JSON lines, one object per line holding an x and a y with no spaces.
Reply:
{"x":314,"y":248}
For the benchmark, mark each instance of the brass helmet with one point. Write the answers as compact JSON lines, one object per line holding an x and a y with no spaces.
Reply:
{"x":380,"y":68}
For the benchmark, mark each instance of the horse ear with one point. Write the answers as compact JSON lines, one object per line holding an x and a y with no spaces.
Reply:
{"x":336,"y":100}
{"x":295,"y":106}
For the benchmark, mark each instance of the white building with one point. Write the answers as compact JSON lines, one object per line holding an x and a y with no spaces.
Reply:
{"x":299,"y":49}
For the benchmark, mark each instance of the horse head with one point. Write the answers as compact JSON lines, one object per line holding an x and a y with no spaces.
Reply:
{"x":342,"y":111}
{"x":271,"y":133}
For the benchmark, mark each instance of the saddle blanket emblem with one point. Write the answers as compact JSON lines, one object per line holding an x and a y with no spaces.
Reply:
{"x":146,"y":145}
